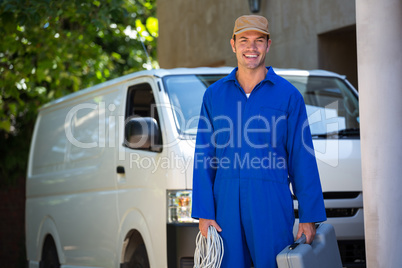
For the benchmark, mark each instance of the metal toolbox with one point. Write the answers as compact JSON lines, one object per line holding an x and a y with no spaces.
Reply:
{"x":323,"y":251}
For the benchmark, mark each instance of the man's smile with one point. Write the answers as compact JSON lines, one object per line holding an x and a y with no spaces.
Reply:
{"x":250,"y":56}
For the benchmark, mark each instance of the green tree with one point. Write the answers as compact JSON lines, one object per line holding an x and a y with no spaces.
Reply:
{"x":51,"y":48}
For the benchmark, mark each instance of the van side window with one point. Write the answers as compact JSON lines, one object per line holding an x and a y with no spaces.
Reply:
{"x":141,"y":103}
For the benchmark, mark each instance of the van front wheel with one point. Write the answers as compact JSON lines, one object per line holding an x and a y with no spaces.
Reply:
{"x":49,"y":255}
{"x":139,"y":258}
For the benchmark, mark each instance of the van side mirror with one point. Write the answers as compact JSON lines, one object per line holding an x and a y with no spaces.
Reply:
{"x":142,"y":133}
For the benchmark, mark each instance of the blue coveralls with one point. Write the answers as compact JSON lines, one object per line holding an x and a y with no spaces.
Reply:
{"x":247,"y":152}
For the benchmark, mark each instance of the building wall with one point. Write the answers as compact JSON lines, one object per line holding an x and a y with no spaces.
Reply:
{"x":304,"y":33}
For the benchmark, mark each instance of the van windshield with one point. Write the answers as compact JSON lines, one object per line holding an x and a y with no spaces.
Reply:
{"x":332,"y":107}
{"x":185,"y":94}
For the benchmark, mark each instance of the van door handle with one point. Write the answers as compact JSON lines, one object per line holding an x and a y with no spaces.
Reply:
{"x":120,"y":170}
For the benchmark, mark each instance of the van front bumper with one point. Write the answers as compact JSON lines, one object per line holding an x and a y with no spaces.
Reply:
{"x":181,"y":244}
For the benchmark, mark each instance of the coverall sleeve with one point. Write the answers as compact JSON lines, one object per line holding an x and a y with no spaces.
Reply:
{"x":302,"y":165}
{"x":203,"y":205}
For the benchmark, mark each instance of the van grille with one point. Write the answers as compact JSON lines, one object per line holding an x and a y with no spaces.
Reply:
{"x":340,"y":195}
{"x":337,"y":195}
{"x":336,"y":212}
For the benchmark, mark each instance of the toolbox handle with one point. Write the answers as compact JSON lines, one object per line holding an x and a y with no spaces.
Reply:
{"x":301,"y":240}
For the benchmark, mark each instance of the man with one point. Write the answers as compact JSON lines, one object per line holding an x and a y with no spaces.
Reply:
{"x":253,"y":141}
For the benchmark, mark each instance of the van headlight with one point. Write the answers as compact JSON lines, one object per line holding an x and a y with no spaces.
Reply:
{"x":179,"y":207}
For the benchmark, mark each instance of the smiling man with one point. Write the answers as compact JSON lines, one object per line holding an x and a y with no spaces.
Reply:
{"x":252,"y":143}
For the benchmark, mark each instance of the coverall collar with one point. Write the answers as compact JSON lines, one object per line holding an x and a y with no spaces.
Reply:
{"x":271,"y":76}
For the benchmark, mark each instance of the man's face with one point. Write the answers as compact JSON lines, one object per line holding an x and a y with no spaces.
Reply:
{"x":250,"y":48}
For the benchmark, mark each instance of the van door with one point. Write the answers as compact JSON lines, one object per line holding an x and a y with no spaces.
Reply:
{"x":141,"y":183}
{"x":85,"y":210}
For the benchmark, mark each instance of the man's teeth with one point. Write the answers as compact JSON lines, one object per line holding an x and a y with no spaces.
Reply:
{"x":251,"y":56}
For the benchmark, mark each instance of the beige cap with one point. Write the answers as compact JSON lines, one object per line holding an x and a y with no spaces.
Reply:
{"x":251,"y":23}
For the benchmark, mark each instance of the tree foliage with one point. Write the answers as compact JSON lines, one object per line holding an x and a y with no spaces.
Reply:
{"x":51,"y":48}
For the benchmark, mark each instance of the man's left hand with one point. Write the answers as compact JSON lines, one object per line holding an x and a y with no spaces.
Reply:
{"x":308,"y":228}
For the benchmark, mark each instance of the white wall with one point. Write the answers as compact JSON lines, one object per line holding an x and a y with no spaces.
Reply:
{"x":379,"y":39}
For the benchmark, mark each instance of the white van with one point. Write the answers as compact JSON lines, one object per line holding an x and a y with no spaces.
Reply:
{"x":110,"y":168}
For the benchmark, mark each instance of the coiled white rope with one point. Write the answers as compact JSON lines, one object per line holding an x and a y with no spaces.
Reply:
{"x":208,"y":251}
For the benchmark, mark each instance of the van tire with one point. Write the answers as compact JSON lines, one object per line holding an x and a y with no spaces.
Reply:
{"x":139,"y":258}
{"x":49,"y":255}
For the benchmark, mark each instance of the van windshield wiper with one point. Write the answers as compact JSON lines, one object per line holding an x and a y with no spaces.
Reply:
{"x":347,"y":132}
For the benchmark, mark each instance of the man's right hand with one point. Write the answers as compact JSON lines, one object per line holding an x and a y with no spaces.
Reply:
{"x":205,"y":223}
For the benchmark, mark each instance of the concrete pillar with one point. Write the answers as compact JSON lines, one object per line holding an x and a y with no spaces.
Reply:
{"x":379,"y":53}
